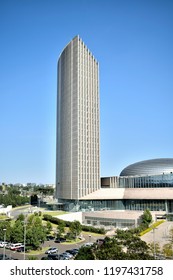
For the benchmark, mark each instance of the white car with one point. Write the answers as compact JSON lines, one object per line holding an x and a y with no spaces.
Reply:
{"x":8,"y":246}
{"x":15,"y":246}
{"x":52,"y":250}
{"x":88,"y":244}
{"x":3,"y":244}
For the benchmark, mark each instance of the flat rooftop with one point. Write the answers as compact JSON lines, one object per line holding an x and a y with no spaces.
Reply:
{"x":119,"y":214}
{"x":130,"y":193}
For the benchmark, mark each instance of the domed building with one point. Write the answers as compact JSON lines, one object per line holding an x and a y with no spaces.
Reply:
{"x":149,"y":167}
{"x":148,"y":174}
{"x":143,"y":185}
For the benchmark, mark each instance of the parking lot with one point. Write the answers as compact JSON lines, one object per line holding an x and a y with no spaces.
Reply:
{"x":62,"y":247}
{"x":159,"y":235}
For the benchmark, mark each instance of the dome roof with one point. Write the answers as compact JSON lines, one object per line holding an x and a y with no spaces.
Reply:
{"x":149,"y":167}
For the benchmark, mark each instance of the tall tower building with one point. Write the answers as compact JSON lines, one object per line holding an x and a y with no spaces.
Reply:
{"x":78,"y":124}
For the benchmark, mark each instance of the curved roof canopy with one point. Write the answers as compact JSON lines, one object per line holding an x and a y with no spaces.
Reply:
{"x":149,"y":167}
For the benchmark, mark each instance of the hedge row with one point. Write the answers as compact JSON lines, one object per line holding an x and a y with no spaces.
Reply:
{"x":67,"y":224}
{"x":151,"y":227}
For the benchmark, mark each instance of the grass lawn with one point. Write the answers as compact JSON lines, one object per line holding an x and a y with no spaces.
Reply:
{"x":37,"y":252}
{"x":91,"y":233}
{"x":3,"y":217}
{"x":54,"y":213}
{"x":68,"y":242}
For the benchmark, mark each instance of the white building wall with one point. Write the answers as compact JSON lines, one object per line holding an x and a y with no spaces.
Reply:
{"x":78,"y":139}
{"x":71,"y":217}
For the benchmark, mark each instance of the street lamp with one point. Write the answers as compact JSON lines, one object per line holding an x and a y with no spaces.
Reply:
{"x":4,"y":229}
{"x":154,"y":242}
{"x":24,"y":238}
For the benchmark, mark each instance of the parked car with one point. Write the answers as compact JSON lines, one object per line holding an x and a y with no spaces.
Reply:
{"x":53,"y":256}
{"x":65,"y":256}
{"x":52,"y":250}
{"x":62,"y":257}
{"x":21,"y":249}
{"x":3,"y":244}
{"x":76,"y":250}
{"x":100,"y":241}
{"x":8,"y":246}
{"x":73,"y":252}
{"x":88,"y":244}
{"x":15,"y":246}
{"x":50,"y":237}
{"x":60,"y":240}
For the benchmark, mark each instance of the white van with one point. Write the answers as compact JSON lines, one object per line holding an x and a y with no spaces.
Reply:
{"x":15,"y":246}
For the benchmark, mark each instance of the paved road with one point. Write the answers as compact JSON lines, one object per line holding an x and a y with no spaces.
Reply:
{"x":62,"y":247}
{"x":15,"y":212}
{"x":160,"y":234}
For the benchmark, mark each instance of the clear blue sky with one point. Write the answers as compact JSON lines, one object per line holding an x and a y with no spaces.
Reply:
{"x":133,"y":42}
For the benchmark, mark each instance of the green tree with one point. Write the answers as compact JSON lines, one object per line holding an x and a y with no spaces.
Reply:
{"x":75,"y":228}
{"x":48,"y":227}
{"x":60,"y":228}
{"x":13,"y":199}
{"x":126,"y":247}
{"x":85,"y":253}
{"x":167,"y":250}
{"x":21,"y":217}
{"x":146,"y":218}
{"x":133,"y":245}
{"x":13,"y":191}
{"x":17,"y":233}
{"x":35,"y":232}
{"x":7,"y":226}
{"x":111,"y":249}
{"x":123,"y":235}
{"x":138,"y":249}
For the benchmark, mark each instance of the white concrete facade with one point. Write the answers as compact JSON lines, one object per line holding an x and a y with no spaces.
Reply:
{"x":71,"y":217}
{"x":78,"y":124}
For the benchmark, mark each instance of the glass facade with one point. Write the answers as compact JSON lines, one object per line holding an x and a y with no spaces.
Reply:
{"x":155,"y":181}
{"x":141,"y":205}
{"x":123,"y":204}
{"x":108,"y":223}
{"x":152,"y":181}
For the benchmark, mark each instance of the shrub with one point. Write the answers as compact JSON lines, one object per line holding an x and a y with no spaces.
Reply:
{"x":56,"y":221}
